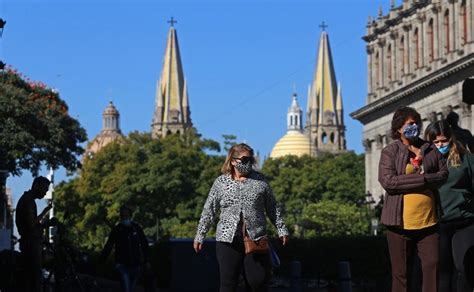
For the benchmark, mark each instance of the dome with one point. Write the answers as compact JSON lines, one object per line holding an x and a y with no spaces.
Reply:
{"x":293,"y":143}
{"x":110,"y":109}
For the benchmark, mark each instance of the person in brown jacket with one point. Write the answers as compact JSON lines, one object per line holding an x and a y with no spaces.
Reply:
{"x":410,"y":170}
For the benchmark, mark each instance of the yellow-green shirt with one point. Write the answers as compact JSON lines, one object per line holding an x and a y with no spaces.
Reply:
{"x":419,"y":209}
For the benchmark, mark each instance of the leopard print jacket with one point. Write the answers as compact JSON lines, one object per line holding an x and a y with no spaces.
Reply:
{"x":251,"y":199}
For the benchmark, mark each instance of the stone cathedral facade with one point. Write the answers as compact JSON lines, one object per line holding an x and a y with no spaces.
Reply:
{"x":172,"y":112}
{"x":418,"y":55}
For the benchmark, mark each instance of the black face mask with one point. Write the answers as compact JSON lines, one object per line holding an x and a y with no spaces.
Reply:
{"x":244,"y":168}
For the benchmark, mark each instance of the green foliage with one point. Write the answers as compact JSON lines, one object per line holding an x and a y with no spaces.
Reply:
{"x":333,"y":219}
{"x":229,"y":141}
{"x":165,"y":181}
{"x":300,"y":181}
{"x":35,"y":127}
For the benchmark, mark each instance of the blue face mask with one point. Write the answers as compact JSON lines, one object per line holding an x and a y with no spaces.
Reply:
{"x":411,"y":132}
{"x":444,"y":149}
{"x":126,"y":222}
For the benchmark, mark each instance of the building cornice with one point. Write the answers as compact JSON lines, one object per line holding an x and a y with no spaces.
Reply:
{"x":366,"y":113}
{"x":388,"y":22}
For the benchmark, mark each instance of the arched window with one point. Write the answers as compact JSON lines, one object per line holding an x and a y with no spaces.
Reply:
{"x":416,"y":40}
{"x":446,"y":32}
{"x":431,"y":41}
{"x":464,"y":22}
{"x":377,"y":69}
{"x":389,"y":62}
{"x":402,"y":56}
{"x":324,"y":138}
{"x":332,"y":138}
{"x":291,"y":121}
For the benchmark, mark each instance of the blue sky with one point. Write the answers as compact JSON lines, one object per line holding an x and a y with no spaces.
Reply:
{"x":241,"y":59}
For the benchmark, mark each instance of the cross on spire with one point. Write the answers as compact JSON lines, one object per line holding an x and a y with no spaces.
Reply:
{"x":172,"y":21}
{"x":323,"y":26}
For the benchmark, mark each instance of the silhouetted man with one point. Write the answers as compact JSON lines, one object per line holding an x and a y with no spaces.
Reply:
{"x":463,"y":136}
{"x":31,"y":232}
{"x":131,"y":249}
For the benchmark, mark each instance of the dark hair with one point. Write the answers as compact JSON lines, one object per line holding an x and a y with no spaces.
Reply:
{"x":124,"y":208}
{"x":452,"y":118}
{"x":401,"y":115}
{"x":40,"y":181}
{"x":442,"y":128}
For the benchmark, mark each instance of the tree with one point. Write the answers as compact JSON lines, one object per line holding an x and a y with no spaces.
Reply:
{"x":36,"y":127}
{"x":333,"y":219}
{"x":299,"y":181}
{"x":165,"y":181}
{"x":229,"y":141}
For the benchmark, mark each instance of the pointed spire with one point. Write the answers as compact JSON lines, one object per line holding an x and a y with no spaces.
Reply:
{"x":324,"y":82}
{"x":294,"y":116}
{"x":171,"y":93}
{"x":339,"y":97}
{"x":392,"y":4}
{"x":380,"y":11}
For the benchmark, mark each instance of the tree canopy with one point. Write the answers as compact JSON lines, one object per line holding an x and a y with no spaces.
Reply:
{"x":35,"y":127}
{"x":165,"y":181}
{"x":300,"y":181}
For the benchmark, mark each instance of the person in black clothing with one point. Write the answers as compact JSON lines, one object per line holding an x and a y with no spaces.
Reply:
{"x":30,"y":229}
{"x":131,"y":249}
{"x":462,"y":136}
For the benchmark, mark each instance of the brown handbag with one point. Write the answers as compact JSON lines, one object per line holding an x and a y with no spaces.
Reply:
{"x":254,"y":246}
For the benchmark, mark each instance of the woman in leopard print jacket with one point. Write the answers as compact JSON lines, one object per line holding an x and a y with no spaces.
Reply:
{"x":242,"y":195}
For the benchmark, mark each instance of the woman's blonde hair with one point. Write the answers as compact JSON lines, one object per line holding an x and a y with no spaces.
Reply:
{"x":442,"y":128}
{"x":234,"y":151}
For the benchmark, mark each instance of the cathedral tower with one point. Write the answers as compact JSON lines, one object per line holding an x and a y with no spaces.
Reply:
{"x":294,"y":142}
{"x":110,"y":130}
{"x":324,"y":123}
{"x":172,"y":113}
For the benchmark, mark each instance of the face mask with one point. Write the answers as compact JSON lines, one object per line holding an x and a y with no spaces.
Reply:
{"x":444,"y":149}
{"x":411,"y":132}
{"x":126,"y":222}
{"x":244,"y":168}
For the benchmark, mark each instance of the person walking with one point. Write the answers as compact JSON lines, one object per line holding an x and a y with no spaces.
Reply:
{"x":243,"y":197}
{"x":457,"y":202}
{"x":410,"y":171}
{"x":131,"y":250}
{"x":30,"y":228}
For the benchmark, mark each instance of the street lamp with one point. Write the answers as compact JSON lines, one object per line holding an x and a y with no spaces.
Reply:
{"x":2,"y":25}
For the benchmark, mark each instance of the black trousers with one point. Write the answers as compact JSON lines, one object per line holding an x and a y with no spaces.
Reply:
{"x":31,"y":253}
{"x":455,"y":239}
{"x":255,"y":268}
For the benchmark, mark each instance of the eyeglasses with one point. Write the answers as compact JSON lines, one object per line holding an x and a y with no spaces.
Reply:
{"x":244,"y":159}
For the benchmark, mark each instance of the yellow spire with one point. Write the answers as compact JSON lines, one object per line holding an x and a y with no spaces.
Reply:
{"x":172,"y":79}
{"x":339,"y":98}
{"x":324,"y":82}
{"x":172,"y":113}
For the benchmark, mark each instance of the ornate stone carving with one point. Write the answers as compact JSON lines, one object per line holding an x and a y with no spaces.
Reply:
{"x":466,"y":109}
{"x":367,"y":145}
{"x":379,"y":141}
{"x":432,"y":117}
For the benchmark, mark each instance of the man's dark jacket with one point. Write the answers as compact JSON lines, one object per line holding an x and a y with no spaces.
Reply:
{"x":131,"y":245}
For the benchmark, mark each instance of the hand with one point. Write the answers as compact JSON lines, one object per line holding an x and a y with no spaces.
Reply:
{"x":197,"y":246}
{"x":284,"y":239}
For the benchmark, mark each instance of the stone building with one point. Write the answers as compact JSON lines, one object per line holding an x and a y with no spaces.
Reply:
{"x":324,"y":130}
{"x":295,"y":142}
{"x":324,"y":122}
{"x":172,"y":112}
{"x":419,"y":54}
{"x":110,"y":130}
